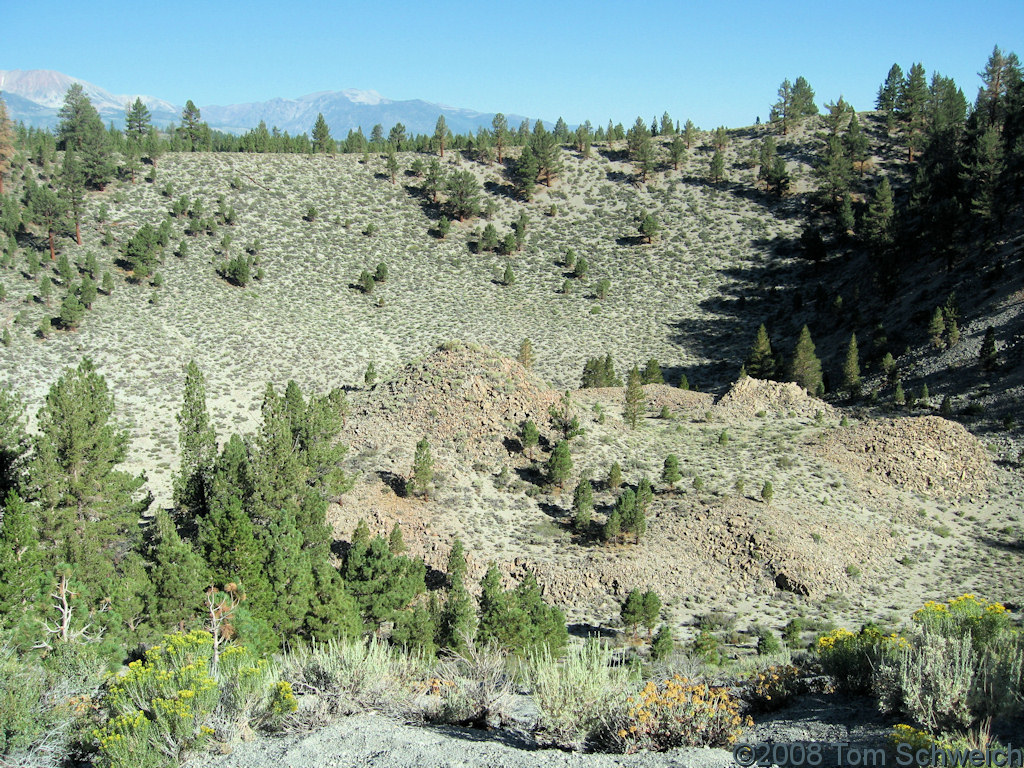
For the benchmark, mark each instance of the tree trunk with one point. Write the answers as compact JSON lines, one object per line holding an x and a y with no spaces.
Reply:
{"x":53,"y":251}
{"x":78,"y":231}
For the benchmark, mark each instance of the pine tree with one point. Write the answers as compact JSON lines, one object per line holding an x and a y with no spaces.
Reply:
{"x":197,"y":444}
{"x":463,"y":195}
{"x":81,"y":129}
{"x":137,"y":123}
{"x":422,"y":469}
{"x":499,"y":127}
{"x":767,"y":492}
{"x":88,"y":510}
{"x":651,"y":373}
{"x":456,"y":561}
{"x":805,"y":368}
{"x":988,"y":355}
{"x":888,"y":94}
{"x":760,"y":364}
{"x":782,"y":111}
{"x":21,"y":574}
{"x":322,"y":141}
{"x":851,"y":368}
{"x":634,"y":399}
{"x":910,"y":108}
{"x":396,"y":544}
{"x":651,"y":611}
{"x":663,"y":645}
{"x":457,"y":620}
{"x":178,"y":576}
{"x":441,"y":133}
{"x":632,"y":611}
{"x":529,"y":437}
{"x":72,"y":190}
{"x":495,"y":611}
{"x":508,"y":277}
{"x":192,"y":127}
{"x":879,"y":219}
{"x":614,"y":476}
{"x":612,"y":528}
{"x":47,"y":208}
{"x":670,"y":475}
{"x":717,"y":171}
{"x":289,"y":576}
{"x":14,"y":442}
{"x":71,"y":312}
{"x":6,"y":143}
{"x":582,"y":505}
{"x":560,"y":464}
{"x":937,"y":328}
{"x":525,"y":356}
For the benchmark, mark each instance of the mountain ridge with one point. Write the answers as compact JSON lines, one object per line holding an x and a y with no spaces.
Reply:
{"x":35,"y":96}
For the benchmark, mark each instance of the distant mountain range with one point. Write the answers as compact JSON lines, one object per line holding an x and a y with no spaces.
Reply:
{"x":36,"y":95}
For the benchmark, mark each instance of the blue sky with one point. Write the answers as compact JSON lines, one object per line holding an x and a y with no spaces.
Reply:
{"x":718,"y":64}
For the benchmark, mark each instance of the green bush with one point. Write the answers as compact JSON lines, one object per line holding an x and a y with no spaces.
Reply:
{"x":165,"y":703}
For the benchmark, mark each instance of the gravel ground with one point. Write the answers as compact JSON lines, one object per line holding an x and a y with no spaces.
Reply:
{"x":371,"y":739}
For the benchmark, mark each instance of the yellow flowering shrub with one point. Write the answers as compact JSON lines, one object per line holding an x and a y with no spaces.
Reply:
{"x":965,"y":615}
{"x":677,"y":713}
{"x":772,"y":688}
{"x":852,"y":657}
{"x":161,"y":706}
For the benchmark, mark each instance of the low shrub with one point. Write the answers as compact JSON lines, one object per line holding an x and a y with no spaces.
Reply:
{"x":675,"y":713}
{"x":574,"y":696}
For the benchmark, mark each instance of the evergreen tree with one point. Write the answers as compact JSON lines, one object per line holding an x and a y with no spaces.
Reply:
{"x":391,"y":163}
{"x":87,"y":292}
{"x":192,"y":127}
{"x":463,"y":195}
{"x":456,"y":625}
{"x":88,"y":509}
{"x":289,"y":576}
{"x":72,"y":190}
{"x":525,"y":356}
{"x":178,"y":576}
{"x":649,"y":227}
{"x":767,"y":492}
{"x":851,"y":368}
{"x":71,"y":312}
{"x":670,"y":474}
{"x":651,"y":373}
{"x":632,"y":611}
{"x":14,"y":441}
{"x":499,"y":127}
{"x":560,"y":464}
{"x":422,"y":469}
{"x":582,"y":505}
{"x":322,"y":141}
{"x":760,"y":363}
{"x":612,"y":528}
{"x":805,"y":368}
{"x":197,"y":445}
{"x":456,"y":562}
{"x":803,"y":99}
{"x":614,"y":476}
{"x":689,"y":133}
{"x":782,"y":111}
{"x":677,"y":151}
{"x":81,"y":129}
{"x":878,"y":224}
{"x":6,"y":143}
{"x":526,"y":173}
{"x":937,"y":328}
{"x":888,"y":94}
{"x":47,"y":208}
{"x":495,"y":611}
{"x":441,"y":133}
{"x":433,"y":180}
{"x":529,"y":437}
{"x":988,"y":355}
{"x":663,"y":645}
{"x":910,"y":108}
{"x":635,"y":400}
{"x":22,"y":579}
{"x":717,"y":171}
{"x":137,"y":122}
{"x":381,"y":582}
{"x":508,"y":277}
{"x":650,"y":611}
{"x":547,"y":153}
